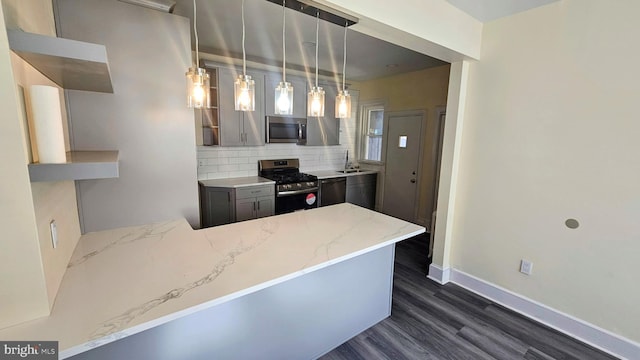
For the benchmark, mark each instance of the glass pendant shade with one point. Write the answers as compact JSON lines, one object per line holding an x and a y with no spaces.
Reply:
{"x":343,"y":105}
{"x":245,"y":94}
{"x":284,"y":98}
{"x":315,"y":102}
{"x":198,"y":88}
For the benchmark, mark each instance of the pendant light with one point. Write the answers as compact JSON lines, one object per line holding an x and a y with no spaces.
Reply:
{"x":284,"y":90}
{"x":197,"y":78}
{"x":343,"y":100}
{"x":244,"y":87}
{"x":315,"y":98}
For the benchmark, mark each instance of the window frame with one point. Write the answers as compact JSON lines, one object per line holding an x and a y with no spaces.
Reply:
{"x":363,"y":130}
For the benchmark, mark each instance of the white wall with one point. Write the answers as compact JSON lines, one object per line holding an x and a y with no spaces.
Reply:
{"x":551,"y":133}
{"x":35,"y":16}
{"x":51,"y":200}
{"x":23,"y":293}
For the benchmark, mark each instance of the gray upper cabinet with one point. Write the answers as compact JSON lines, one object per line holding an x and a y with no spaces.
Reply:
{"x":299,"y":95}
{"x":238,"y":128}
{"x":325,"y":130}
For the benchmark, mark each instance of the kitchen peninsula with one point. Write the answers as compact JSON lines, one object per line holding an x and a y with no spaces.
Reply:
{"x":288,"y":286}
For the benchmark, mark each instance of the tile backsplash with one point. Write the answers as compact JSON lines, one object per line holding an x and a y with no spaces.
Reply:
{"x":215,"y":162}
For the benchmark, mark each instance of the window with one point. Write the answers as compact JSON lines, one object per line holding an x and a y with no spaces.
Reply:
{"x":371,"y":132}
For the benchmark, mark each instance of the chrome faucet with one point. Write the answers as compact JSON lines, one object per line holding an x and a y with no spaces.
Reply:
{"x":346,"y":161}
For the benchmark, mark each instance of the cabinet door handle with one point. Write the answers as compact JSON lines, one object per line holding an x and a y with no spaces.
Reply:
{"x":254,"y":206}
{"x":258,"y":205}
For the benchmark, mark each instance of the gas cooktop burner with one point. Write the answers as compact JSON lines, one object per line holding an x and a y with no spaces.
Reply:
{"x":290,"y":178}
{"x":286,"y":173}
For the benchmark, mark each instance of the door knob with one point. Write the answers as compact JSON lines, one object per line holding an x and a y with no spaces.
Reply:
{"x":413,"y":181}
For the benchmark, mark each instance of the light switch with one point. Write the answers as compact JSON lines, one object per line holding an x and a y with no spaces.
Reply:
{"x":54,"y":233}
{"x":402,"y":141}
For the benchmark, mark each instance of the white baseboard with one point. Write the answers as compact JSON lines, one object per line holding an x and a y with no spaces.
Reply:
{"x":591,"y":334}
{"x":438,"y":274}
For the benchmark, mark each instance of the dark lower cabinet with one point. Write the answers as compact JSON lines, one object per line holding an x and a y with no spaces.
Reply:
{"x":254,"y":202}
{"x":361,"y":190}
{"x":217,"y":206}
{"x":224,"y":205}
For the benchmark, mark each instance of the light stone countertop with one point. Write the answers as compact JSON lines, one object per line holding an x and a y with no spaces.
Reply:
{"x":123,"y":281}
{"x":328,"y":174}
{"x":237,"y":182}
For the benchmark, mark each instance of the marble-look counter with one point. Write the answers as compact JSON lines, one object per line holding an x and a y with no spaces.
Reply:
{"x":328,"y":174}
{"x":237,"y":182}
{"x":124,"y":281}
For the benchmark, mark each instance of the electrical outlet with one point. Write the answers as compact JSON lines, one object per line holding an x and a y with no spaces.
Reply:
{"x":54,"y":233}
{"x":201,"y":163}
{"x":526,"y":267}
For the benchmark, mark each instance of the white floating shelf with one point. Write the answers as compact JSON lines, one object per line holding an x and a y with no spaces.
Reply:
{"x":71,"y":64}
{"x":80,"y":165}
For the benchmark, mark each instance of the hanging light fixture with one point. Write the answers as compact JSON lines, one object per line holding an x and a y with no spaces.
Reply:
{"x":197,"y":78}
{"x":315,"y":98}
{"x":343,"y":99}
{"x":284,"y":90}
{"x":244,"y":87}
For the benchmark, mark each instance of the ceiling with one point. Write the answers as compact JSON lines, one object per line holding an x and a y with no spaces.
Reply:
{"x":488,"y":10}
{"x":220,"y":33}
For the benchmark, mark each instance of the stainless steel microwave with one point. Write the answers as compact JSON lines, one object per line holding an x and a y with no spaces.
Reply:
{"x":286,"y":130}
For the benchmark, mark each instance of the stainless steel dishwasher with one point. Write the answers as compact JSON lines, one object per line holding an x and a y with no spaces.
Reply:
{"x":333,"y":191}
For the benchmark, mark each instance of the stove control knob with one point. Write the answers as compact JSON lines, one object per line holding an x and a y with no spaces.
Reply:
{"x":299,"y":185}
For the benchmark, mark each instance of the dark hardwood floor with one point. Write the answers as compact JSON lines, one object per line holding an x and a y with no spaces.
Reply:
{"x":431,"y":321}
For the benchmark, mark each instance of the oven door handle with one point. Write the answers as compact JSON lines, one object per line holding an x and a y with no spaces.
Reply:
{"x":296,"y":192}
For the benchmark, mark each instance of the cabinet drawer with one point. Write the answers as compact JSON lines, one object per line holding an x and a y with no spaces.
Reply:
{"x":254,"y":191}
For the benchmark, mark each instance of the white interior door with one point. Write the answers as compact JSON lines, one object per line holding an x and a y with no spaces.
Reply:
{"x":403,"y":158}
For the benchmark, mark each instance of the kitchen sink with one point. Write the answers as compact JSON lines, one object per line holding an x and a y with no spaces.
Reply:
{"x":347,"y":171}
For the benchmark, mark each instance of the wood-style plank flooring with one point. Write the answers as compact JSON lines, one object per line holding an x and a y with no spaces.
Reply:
{"x":431,"y":321}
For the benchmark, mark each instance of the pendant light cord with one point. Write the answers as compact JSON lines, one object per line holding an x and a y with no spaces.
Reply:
{"x":195,"y":32}
{"x":344,"y":62}
{"x":284,"y":44}
{"x":244,"y":56}
{"x":317,"y":28}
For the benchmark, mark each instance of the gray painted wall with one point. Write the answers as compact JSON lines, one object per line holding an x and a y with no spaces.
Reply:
{"x":146,"y":119}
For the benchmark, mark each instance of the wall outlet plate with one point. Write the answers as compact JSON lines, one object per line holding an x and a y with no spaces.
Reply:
{"x":54,"y":233}
{"x":526,"y":267}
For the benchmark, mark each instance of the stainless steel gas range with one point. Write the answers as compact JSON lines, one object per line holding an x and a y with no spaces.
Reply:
{"x":294,"y":190}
